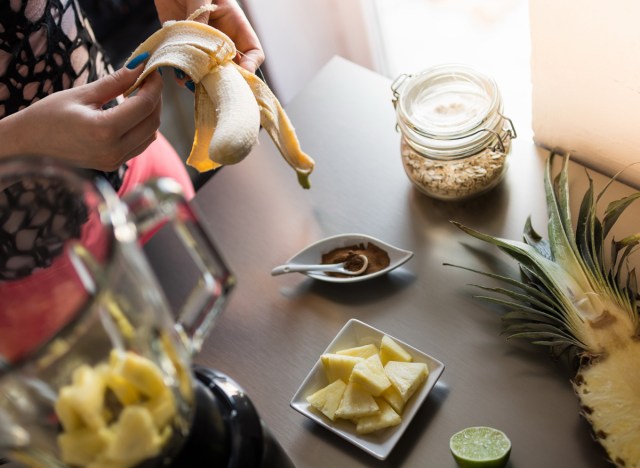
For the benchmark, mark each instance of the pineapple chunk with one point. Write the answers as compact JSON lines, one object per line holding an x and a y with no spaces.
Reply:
{"x":360,"y":351}
{"x":162,"y":409}
{"x":406,"y":377}
{"x":356,"y":403}
{"x":136,"y":437}
{"x":80,"y":404}
{"x":337,"y":366}
{"x":328,"y":398}
{"x":142,"y":423}
{"x":392,"y":351}
{"x":393,"y":397}
{"x":140,"y":372}
{"x":370,"y":375}
{"x":386,"y":418}
{"x":81,"y":446}
{"x":123,"y":390}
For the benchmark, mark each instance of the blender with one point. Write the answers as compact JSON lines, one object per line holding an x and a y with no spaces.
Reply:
{"x":95,"y":366}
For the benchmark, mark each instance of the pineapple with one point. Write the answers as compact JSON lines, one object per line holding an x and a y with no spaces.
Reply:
{"x":356,"y":403}
{"x":370,"y":375}
{"x":162,"y":408}
{"x":406,"y":377}
{"x":80,"y":404}
{"x":393,"y":397}
{"x":136,"y":438}
{"x":387,"y":417}
{"x":98,"y":433}
{"x":575,"y":299}
{"x":140,"y":372}
{"x":81,"y":446}
{"x":373,"y":398}
{"x":364,"y":351}
{"x":123,"y":390}
{"x":337,"y":366}
{"x":392,"y":351}
{"x":328,"y":398}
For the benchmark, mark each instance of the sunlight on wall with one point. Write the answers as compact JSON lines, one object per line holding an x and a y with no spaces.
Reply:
{"x":586,"y":81}
{"x":490,"y":35}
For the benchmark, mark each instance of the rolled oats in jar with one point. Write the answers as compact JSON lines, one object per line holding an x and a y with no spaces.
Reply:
{"x":455,"y":140}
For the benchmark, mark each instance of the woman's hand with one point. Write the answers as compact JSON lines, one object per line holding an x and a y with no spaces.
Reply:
{"x":72,"y":126}
{"x":228,"y":17}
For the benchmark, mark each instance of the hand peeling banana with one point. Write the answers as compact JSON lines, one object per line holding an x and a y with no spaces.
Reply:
{"x":230,"y":102}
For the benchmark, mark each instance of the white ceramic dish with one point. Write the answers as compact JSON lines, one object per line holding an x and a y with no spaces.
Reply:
{"x":378,"y":444}
{"x":312,"y":254}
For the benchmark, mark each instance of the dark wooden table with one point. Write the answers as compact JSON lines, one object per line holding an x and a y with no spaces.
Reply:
{"x":275,"y":328}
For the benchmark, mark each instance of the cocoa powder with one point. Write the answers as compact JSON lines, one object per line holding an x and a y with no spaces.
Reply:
{"x":378,"y":258}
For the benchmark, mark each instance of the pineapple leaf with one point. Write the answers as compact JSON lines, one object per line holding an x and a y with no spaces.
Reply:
{"x":628,"y":250}
{"x":632,"y":286}
{"x":531,"y":315}
{"x":514,"y":282}
{"x":532,"y":278}
{"x":563,"y":246}
{"x":537,"y":327}
{"x":546,"y":338}
{"x":567,"y":293}
{"x":629,"y":241}
{"x":615,"y":209}
{"x":523,"y":298}
{"x":560,"y":282}
{"x":506,"y":303}
{"x":534,"y":239}
{"x":588,"y":237}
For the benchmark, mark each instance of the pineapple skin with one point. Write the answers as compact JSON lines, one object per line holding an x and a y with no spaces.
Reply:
{"x":608,"y":387}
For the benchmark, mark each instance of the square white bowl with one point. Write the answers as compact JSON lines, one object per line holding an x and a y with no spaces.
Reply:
{"x":380,"y":443}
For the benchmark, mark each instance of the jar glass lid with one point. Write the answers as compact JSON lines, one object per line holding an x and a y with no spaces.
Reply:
{"x":449,"y":101}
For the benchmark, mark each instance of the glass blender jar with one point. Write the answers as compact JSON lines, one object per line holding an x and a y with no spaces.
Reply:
{"x":94,"y":369}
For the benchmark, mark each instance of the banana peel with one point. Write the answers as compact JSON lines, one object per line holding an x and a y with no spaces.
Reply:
{"x":230,"y":102}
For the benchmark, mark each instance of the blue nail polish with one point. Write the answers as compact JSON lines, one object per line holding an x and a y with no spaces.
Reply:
{"x":179,"y":73}
{"x":137,"y":60}
{"x":190,"y":86}
{"x":159,"y":70}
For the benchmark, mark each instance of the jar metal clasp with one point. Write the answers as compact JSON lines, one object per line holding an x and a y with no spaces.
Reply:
{"x":395,"y":86}
{"x":510,"y":133}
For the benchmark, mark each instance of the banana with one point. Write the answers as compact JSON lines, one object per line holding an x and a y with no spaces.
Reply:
{"x":236,"y":130}
{"x":230,"y":102}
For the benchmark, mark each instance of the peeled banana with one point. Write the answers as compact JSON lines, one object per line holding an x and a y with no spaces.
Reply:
{"x":230,"y":102}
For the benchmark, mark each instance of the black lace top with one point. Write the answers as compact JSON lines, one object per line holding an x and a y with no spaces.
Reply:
{"x":45,"y":46}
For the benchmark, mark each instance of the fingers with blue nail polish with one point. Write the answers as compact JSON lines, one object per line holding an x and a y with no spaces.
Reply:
{"x":137,"y":60}
{"x":184,"y":80}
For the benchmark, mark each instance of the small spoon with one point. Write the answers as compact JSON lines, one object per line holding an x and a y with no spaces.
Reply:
{"x":328,"y":268}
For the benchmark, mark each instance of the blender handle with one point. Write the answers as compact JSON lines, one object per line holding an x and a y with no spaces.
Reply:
{"x":161,"y":201}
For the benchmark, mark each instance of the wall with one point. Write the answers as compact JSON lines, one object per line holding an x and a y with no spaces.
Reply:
{"x":586,"y":81}
{"x":300,"y":36}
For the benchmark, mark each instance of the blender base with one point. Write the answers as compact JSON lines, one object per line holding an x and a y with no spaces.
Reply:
{"x":227,"y":430}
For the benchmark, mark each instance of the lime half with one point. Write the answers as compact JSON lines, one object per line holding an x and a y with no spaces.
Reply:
{"x":480,"y":447}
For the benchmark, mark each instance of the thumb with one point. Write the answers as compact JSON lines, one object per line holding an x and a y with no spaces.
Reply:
{"x":111,"y":86}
